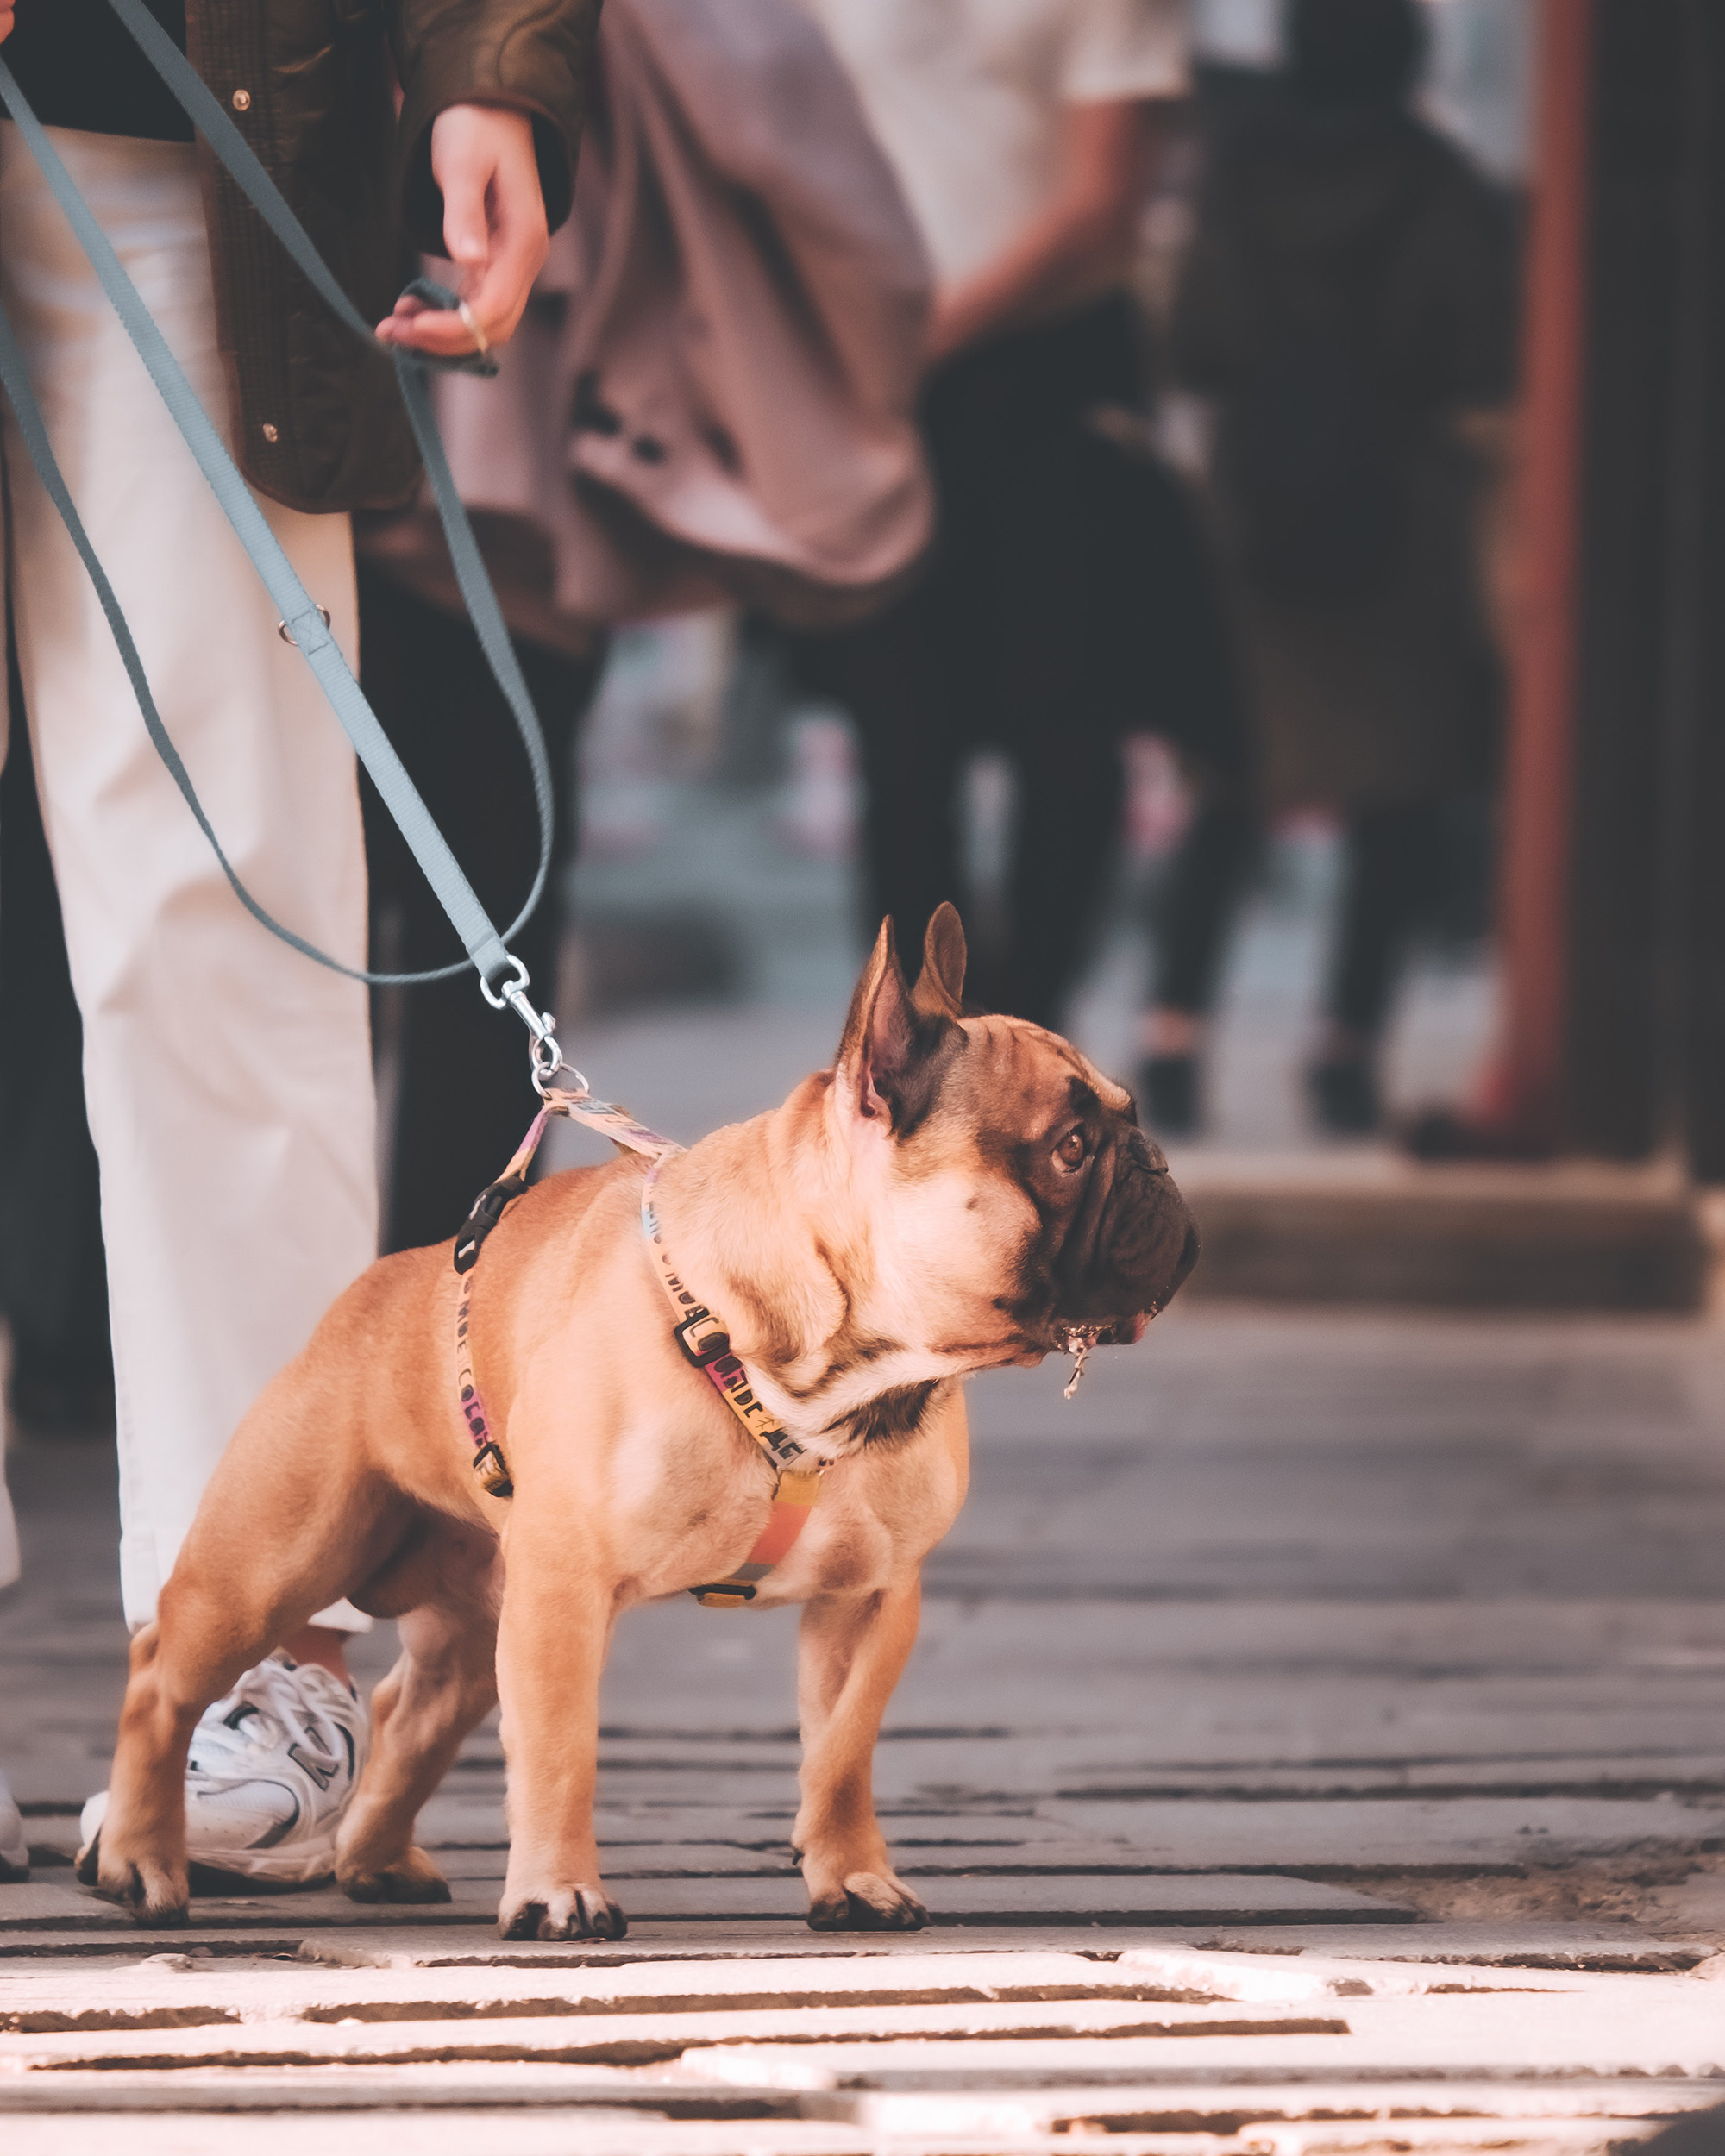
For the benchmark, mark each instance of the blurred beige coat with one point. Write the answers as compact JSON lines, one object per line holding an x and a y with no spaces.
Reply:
{"x":712,"y":395}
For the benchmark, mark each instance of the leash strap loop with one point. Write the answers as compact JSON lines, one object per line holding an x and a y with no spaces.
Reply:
{"x":302,"y":617}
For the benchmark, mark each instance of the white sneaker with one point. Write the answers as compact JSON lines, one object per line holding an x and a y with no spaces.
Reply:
{"x":271,"y":1770}
{"x":14,"y":1850}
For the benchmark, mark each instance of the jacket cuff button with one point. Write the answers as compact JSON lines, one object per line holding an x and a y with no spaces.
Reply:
{"x":242,"y":101}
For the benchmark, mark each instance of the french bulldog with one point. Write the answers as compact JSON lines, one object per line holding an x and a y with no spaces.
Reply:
{"x":956,"y":1193}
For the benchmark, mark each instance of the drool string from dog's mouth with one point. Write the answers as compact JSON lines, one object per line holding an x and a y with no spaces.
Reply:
{"x":1078,"y":1342}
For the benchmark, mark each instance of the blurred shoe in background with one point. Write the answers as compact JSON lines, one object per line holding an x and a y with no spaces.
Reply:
{"x":1344,"y":1095}
{"x":14,"y":1853}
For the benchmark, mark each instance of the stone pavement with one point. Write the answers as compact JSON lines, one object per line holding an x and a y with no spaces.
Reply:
{"x":1314,"y":1743}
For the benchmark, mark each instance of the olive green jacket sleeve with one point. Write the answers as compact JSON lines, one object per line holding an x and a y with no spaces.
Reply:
{"x":317,"y":418}
{"x":534,"y":55}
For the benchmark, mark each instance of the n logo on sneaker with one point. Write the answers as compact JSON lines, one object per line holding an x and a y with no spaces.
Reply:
{"x":321,"y":1767}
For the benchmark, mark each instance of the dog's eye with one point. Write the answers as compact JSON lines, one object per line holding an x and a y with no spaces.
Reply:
{"x":1073,"y":1150}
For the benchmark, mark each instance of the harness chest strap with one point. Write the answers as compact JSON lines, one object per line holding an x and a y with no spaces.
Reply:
{"x":796,"y":1473}
{"x":701,"y":1337}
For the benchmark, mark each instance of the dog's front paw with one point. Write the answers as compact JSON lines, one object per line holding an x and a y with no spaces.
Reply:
{"x":155,"y":1893}
{"x":411,"y":1877}
{"x":561,"y":1913}
{"x":865,"y":1901}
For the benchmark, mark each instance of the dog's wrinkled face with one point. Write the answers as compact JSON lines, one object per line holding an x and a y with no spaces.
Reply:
{"x":1016,"y":1203}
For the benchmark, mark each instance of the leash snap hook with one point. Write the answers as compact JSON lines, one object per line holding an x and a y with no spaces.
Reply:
{"x":544,"y":1054}
{"x":543,"y":1051}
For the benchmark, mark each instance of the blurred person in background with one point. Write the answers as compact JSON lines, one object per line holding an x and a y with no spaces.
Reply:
{"x":1349,"y":298}
{"x":54,"y":1277}
{"x":1024,"y":133}
{"x":456,"y":1078}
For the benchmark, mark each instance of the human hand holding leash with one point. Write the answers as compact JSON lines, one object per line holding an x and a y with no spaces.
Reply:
{"x":494,"y":229}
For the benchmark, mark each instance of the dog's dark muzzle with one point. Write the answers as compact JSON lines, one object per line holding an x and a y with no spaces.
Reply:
{"x":1144,"y":1245}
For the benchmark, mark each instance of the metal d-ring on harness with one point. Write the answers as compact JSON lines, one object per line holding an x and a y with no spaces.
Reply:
{"x":303,"y":623}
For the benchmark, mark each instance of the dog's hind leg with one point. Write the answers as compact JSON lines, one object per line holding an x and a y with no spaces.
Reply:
{"x":213,"y":1621}
{"x":243,"y":1582}
{"x":444,"y":1684}
{"x":851,"y":1651}
{"x":138,"y":1857}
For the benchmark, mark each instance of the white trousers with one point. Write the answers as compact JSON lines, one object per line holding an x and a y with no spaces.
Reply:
{"x":229,"y":1078}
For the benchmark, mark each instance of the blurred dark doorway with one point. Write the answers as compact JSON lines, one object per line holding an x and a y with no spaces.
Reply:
{"x":1615,"y":873}
{"x":54,"y":1277}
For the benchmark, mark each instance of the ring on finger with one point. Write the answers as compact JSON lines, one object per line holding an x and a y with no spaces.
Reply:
{"x":470,"y":322}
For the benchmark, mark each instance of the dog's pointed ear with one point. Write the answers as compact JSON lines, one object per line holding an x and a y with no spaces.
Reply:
{"x":879,"y":1033}
{"x":888,"y":1068}
{"x":939,"y":991}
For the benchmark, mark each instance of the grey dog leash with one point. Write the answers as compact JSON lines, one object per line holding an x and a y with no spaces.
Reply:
{"x":502,"y":976}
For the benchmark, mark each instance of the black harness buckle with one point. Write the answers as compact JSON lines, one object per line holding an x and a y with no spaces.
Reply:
{"x":489,"y":1209}
{"x":702,"y":1337}
{"x":493,"y":1470}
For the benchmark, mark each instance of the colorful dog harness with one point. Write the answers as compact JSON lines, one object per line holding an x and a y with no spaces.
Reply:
{"x":796,"y":1472}
{"x":702,"y":1337}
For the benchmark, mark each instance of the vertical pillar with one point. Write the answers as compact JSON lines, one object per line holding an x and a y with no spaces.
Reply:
{"x":1534,"y":902}
{"x":1623,"y":845}
{"x":1691,"y":974}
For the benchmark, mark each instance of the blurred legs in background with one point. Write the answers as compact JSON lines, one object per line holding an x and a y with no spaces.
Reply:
{"x":53,"y":1274}
{"x":1194,"y":920}
{"x":1394,"y":866}
{"x":1070,"y":793}
{"x":913,"y":757}
{"x":887,"y":672}
{"x":1009,"y":639}
{"x":1397,"y":873}
{"x":461,"y":1095}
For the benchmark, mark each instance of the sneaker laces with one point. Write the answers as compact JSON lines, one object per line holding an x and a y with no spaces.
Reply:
{"x":266,"y":1711}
